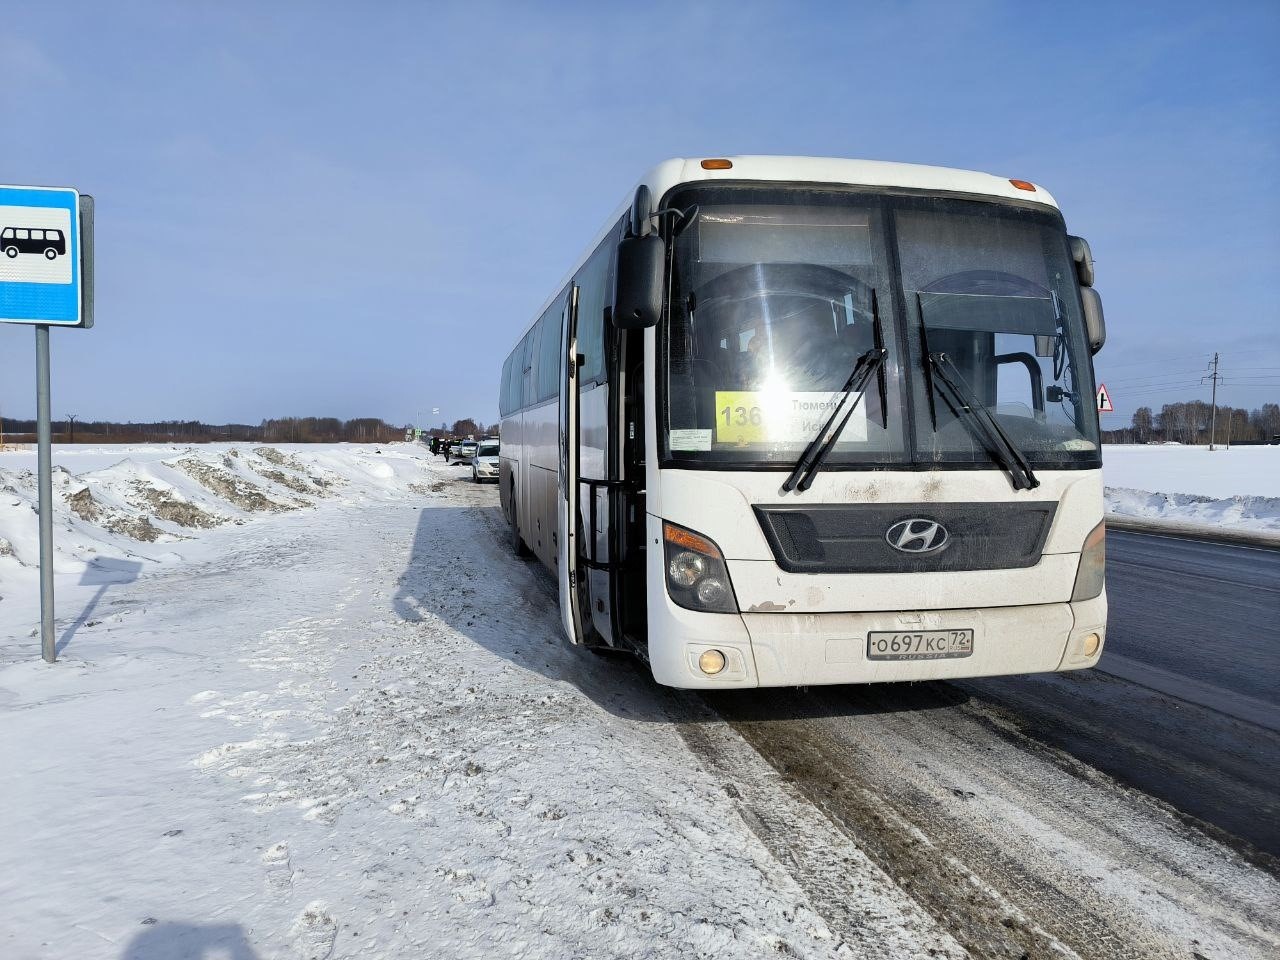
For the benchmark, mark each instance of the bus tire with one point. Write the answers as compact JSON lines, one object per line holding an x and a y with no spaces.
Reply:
{"x":611,"y":653}
{"x":51,"y":254}
{"x":518,"y":546}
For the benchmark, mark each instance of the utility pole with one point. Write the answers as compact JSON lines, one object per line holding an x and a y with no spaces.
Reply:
{"x":1213,"y":420}
{"x":71,"y":427}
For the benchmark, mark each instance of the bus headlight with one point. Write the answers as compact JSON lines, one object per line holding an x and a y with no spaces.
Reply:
{"x":686,"y":568}
{"x":697,"y":578}
{"x":1091,"y":576}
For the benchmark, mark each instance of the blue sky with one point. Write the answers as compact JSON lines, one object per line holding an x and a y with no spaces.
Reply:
{"x":353,"y":209}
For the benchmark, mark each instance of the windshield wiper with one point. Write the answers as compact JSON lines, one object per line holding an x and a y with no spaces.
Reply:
{"x":815,"y":454}
{"x":981,"y":422}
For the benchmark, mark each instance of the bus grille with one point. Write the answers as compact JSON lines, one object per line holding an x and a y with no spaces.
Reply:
{"x":852,"y":538}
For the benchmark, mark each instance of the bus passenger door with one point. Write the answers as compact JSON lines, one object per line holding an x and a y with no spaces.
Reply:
{"x":569,"y":570}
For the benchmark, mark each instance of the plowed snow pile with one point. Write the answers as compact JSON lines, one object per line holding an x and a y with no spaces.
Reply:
{"x":141,"y":504}
{"x":1237,"y":489}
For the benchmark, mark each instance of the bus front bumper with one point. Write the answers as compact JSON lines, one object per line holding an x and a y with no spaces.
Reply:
{"x":787,"y":650}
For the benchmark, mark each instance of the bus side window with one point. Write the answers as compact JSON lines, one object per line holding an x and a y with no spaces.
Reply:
{"x":549,"y":346}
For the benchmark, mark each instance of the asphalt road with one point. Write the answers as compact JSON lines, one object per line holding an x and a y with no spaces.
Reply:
{"x":1207,"y":613}
{"x":1029,"y":816}
{"x":1185,"y":704}
{"x":997,"y":779}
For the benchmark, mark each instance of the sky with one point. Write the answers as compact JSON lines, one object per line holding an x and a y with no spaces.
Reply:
{"x":355,"y":209}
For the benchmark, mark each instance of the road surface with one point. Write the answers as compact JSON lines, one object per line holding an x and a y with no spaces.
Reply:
{"x":994,"y":801}
{"x":1185,"y":704}
{"x":1083,"y":815}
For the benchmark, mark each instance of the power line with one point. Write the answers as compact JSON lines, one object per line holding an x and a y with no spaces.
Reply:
{"x":1165,"y":375}
{"x":1136,"y":363}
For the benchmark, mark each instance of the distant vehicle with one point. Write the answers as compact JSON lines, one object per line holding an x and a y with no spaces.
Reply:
{"x":484,"y":465}
{"x":794,"y":420}
{"x":16,"y":240}
{"x":454,"y":450}
{"x":467,"y":450}
{"x":1275,"y":440}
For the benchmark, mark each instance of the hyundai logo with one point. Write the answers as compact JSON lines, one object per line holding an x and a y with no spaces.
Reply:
{"x":917,"y":535}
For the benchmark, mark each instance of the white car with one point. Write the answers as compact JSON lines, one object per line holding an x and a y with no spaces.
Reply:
{"x":484,"y":465}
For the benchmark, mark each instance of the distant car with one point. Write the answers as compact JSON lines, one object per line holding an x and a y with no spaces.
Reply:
{"x":467,"y":450}
{"x":16,"y":240}
{"x":484,"y":465}
{"x":452,"y":452}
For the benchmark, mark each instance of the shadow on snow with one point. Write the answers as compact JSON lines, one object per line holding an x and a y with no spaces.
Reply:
{"x":462,"y":571}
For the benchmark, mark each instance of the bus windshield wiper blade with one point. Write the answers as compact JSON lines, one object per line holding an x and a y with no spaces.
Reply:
{"x":978,"y":418}
{"x":815,"y":454}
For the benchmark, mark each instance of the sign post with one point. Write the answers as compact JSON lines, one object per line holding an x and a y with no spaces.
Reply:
{"x":44,"y":457}
{"x":46,"y":279}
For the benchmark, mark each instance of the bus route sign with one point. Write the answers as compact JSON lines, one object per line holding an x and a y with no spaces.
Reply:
{"x":46,"y":262}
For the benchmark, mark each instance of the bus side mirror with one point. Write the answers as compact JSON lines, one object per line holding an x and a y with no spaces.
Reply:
{"x":1083,"y":258}
{"x":637,"y":302}
{"x":1094,"y":325}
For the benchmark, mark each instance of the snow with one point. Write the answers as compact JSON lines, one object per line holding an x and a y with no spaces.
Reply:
{"x":322,"y":712}
{"x":1236,"y":488}
{"x":342,"y":723}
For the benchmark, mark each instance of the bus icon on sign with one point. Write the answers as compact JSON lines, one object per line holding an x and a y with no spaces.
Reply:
{"x":16,"y":240}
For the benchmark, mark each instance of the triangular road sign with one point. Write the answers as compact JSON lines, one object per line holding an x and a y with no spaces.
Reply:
{"x":1104,"y":400}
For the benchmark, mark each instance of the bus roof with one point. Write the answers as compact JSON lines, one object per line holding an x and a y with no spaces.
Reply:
{"x":863,"y":173}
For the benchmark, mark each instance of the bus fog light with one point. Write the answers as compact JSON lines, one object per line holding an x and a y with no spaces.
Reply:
{"x":686,"y":568}
{"x":711,"y":662}
{"x":711,"y":591}
{"x":1091,"y":644}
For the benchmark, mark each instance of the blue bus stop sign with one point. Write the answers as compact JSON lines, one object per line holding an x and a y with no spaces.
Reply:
{"x":46,"y":265}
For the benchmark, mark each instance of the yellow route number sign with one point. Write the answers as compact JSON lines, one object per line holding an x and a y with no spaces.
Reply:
{"x":746,"y":417}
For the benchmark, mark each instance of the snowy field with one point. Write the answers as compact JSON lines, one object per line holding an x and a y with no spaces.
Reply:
{"x":308,"y":706}
{"x":1236,"y":489}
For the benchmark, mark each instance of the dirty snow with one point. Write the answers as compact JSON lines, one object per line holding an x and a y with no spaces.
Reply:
{"x":346,"y":726}
{"x":331,"y":716}
{"x":1236,"y":489}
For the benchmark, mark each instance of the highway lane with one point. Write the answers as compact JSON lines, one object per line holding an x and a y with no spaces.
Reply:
{"x":1205,"y":612}
{"x":1047,"y":815}
{"x":1185,"y":704}
{"x":983,"y":797}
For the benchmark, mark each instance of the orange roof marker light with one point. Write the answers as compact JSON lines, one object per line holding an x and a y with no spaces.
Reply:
{"x":717,"y":163}
{"x":1024,"y":185}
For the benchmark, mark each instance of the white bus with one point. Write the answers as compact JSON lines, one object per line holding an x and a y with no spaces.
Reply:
{"x":796,"y":421}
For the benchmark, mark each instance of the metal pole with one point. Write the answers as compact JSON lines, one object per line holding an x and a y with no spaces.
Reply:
{"x":1213,"y":420}
{"x":45,"y":483}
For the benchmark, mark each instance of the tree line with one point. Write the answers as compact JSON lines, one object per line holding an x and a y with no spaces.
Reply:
{"x":276,"y":430}
{"x":1192,"y":422}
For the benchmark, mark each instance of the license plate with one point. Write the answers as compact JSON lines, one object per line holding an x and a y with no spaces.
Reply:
{"x":920,"y":645}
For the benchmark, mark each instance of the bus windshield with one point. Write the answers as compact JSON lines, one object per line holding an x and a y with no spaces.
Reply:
{"x":776,"y":293}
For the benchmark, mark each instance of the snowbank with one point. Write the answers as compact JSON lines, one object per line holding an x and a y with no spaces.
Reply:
{"x":1236,"y":489}
{"x":134,"y":508}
